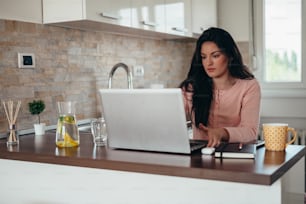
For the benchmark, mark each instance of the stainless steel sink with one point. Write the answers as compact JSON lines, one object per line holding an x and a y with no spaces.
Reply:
{"x":85,"y":129}
{"x":83,"y":126}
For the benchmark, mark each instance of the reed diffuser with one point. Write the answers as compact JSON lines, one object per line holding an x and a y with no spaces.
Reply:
{"x":11,"y":115}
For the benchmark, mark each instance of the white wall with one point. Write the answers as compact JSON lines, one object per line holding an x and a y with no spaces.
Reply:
{"x":233,"y":16}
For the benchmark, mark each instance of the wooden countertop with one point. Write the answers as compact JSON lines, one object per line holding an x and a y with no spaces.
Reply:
{"x":265,"y":169}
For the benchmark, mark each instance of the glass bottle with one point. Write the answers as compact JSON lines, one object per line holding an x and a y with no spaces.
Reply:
{"x":67,"y":133}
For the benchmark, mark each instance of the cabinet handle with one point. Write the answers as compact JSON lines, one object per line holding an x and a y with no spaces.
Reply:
{"x":148,"y":23}
{"x":183,"y":30}
{"x":111,"y":16}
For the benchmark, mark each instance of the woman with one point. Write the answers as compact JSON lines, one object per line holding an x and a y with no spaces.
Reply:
{"x":222,"y":97}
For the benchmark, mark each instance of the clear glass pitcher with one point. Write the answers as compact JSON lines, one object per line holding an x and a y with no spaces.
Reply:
{"x":67,"y":133}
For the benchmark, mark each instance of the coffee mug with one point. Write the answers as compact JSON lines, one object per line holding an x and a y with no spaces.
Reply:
{"x":276,"y":136}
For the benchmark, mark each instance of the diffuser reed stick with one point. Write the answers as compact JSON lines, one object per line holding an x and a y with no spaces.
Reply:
{"x":11,"y":116}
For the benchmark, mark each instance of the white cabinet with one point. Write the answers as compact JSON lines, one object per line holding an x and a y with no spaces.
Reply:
{"x":166,"y":19}
{"x":172,"y":17}
{"x":204,"y":15}
{"x":148,"y":15}
{"x":178,"y":17}
{"x":57,"y":11}
{"x":117,"y":12}
{"x":27,"y":11}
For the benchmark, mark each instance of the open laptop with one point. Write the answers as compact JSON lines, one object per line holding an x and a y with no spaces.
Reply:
{"x":147,"y":119}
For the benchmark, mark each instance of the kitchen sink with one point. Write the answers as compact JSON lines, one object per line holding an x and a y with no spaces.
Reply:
{"x":85,"y":129}
{"x":83,"y":126}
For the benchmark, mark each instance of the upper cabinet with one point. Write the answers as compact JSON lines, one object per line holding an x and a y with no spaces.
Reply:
{"x":27,"y":11}
{"x":204,"y":15}
{"x":169,"y":19}
{"x":162,"y":19}
{"x":178,"y":17}
{"x":148,"y":15}
{"x":117,"y":12}
{"x":57,"y":11}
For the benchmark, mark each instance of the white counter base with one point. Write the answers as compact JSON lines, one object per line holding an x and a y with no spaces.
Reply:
{"x":39,"y":183}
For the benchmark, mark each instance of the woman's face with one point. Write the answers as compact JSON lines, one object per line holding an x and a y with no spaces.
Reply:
{"x":215,"y":62}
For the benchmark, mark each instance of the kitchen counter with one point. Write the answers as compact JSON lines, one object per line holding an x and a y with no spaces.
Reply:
{"x":266,"y":170}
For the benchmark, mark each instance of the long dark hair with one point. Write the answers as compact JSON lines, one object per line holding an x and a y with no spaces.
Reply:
{"x":201,"y":82}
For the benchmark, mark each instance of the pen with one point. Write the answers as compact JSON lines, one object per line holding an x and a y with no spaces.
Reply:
{"x":240,"y":146}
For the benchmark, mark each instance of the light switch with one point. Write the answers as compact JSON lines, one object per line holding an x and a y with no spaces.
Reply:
{"x":26,"y":60}
{"x":138,"y":71}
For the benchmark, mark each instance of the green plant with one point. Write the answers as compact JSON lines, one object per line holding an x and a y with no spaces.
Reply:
{"x":36,"y":107}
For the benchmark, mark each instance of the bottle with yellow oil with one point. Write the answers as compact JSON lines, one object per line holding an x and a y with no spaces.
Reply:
{"x":67,"y":133}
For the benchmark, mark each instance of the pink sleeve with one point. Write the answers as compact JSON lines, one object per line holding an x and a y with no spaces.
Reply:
{"x":247,"y":129}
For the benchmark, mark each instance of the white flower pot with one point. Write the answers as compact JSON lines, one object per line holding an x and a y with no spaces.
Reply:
{"x":39,"y":128}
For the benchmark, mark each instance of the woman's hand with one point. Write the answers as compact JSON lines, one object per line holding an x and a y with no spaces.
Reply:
{"x":215,"y":135}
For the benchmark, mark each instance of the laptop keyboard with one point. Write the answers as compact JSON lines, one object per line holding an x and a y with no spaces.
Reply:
{"x":197,"y":144}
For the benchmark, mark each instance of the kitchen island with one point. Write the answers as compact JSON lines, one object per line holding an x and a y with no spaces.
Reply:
{"x":36,"y":171}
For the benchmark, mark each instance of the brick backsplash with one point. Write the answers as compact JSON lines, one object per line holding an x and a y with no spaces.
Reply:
{"x":73,"y":64}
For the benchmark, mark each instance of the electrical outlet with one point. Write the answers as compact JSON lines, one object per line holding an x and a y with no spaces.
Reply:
{"x":26,"y":60}
{"x":138,"y":71}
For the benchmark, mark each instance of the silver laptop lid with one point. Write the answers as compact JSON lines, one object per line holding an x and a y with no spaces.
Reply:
{"x":146,"y":119}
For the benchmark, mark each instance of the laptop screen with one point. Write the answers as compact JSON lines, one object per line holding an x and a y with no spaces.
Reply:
{"x":145,"y":119}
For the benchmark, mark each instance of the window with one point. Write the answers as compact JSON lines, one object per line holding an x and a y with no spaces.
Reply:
{"x":282,"y":41}
{"x":279,"y":44}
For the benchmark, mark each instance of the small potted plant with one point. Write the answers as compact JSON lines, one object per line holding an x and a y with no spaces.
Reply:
{"x":35,"y":108}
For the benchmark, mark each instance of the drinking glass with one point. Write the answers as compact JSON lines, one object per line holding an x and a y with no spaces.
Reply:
{"x":98,"y":130}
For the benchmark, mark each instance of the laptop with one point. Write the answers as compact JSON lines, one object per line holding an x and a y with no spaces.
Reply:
{"x":148,"y":120}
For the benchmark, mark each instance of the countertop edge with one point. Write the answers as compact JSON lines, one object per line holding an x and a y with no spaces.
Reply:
{"x":283,"y":169}
{"x":187,"y":172}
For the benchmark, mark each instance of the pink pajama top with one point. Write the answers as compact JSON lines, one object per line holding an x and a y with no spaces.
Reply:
{"x":237,"y":110}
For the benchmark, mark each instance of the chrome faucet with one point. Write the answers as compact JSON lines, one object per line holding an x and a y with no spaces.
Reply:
{"x":128,"y":73}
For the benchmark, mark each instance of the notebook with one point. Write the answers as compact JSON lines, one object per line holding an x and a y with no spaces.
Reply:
{"x":147,"y":119}
{"x":235,"y":150}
